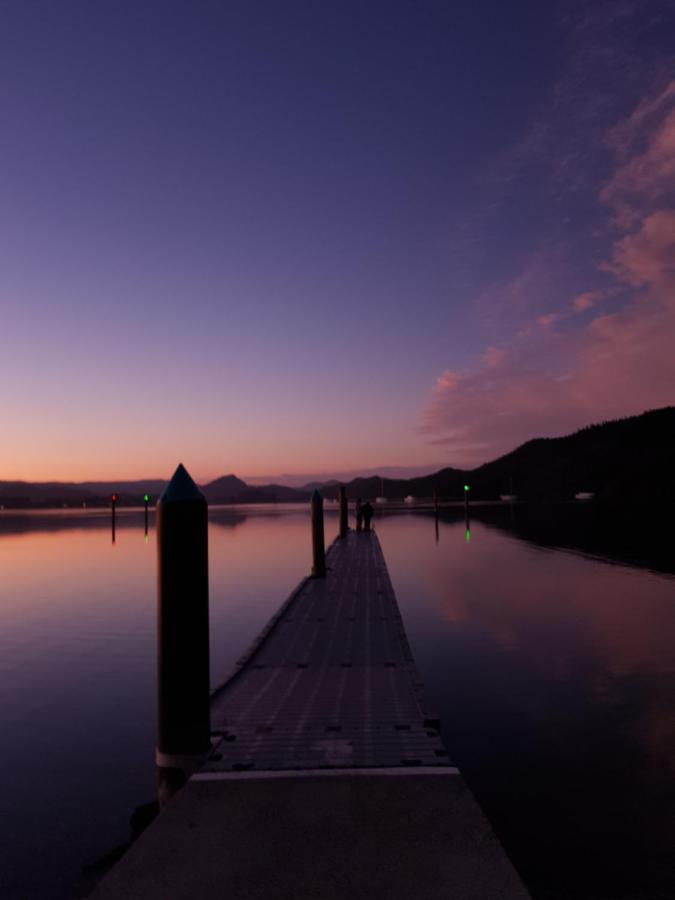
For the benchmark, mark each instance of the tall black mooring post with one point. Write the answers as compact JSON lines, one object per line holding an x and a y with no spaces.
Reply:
{"x":184,"y":732}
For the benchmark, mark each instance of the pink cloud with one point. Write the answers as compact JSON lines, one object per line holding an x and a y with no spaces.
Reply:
{"x":493,"y":356}
{"x":447,"y":382}
{"x":548,"y":381}
{"x":648,"y":255}
{"x":584,"y":301}
{"x":645,"y":147}
{"x":519,"y":297}
{"x":580,"y":304}
{"x":618,"y":365}
{"x":548,"y":319}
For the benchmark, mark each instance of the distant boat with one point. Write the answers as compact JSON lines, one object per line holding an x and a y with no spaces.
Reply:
{"x":381,"y":498}
{"x":510,"y":497}
{"x":584,"y":495}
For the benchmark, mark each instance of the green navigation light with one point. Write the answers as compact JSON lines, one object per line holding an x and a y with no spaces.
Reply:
{"x":146,"y":498}
{"x":466,"y":487}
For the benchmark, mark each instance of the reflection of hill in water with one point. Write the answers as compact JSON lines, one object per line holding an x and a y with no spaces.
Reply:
{"x":26,"y":521}
{"x":633,"y":535}
{"x":230,"y":518}
{"x":629,"y":534}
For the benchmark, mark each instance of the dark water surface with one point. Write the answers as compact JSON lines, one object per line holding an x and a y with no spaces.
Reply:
{"x":552,"y":673}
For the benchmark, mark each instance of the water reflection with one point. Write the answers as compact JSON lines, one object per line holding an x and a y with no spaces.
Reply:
{"x":640,"y":536}
{"x":77,"y":670}
{"x":552,"y":674}
{"x":554,"y":679}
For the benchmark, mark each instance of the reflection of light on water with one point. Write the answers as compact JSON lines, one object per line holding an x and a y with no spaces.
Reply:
{"x":468,"y":535}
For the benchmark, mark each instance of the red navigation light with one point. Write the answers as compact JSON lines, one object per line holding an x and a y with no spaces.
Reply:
{"x":114,"y":498}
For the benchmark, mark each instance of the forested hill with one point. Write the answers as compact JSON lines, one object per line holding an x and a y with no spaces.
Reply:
{"x":625,"y":459}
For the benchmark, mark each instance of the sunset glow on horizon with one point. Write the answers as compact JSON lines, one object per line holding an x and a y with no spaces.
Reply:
{"x":330,"y":238}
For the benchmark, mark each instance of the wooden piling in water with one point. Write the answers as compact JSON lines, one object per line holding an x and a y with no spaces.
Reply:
{"x":113,"y":508}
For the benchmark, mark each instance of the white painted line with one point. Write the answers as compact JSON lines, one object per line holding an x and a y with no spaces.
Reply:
{"x":252,"y":774}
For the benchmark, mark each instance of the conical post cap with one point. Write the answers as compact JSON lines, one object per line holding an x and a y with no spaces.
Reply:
{"x":181,"y":488}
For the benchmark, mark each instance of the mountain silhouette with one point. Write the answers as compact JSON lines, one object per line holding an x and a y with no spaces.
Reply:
{"x":630,"y":459}
{"x":624,"y":460}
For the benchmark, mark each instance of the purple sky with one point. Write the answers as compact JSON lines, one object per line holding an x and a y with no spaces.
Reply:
{"x":322,"y":237}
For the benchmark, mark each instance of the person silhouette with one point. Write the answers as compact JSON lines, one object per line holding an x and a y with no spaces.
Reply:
{"x":367,"y":511}
{"x":359,"y":515}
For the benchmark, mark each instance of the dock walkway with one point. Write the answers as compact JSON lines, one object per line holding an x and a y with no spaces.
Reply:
{"x":328,"y":777}
{"x":333,"y":684}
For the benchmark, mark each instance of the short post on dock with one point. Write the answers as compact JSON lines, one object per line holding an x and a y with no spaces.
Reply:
{"x":344,"y":513}
{"x":318,"y":543}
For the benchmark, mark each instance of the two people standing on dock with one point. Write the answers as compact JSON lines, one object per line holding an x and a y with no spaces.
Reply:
{"x":364,"y":514}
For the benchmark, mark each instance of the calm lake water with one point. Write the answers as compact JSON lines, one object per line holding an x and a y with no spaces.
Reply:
{"x":552,"y":672}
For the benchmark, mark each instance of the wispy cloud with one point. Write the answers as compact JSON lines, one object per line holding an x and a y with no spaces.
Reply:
{"x":574,"y":357}
{"x":645,"y":148}
{"x":585,"y":301}
{"x":548,"y":319}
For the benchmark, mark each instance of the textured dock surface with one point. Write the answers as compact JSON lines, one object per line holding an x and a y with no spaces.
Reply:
{"x":333,"y":683}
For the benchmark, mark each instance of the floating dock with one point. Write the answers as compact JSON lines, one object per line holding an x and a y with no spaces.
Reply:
{"x":327,"y":777}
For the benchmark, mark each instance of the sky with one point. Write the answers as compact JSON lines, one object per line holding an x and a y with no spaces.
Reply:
{"x":299,"y":238}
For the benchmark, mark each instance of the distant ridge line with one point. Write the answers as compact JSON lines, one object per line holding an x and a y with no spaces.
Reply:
{"x":627,"y":458}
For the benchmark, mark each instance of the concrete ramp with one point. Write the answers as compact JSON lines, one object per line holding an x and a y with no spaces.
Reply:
{"x":409,"y":836}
